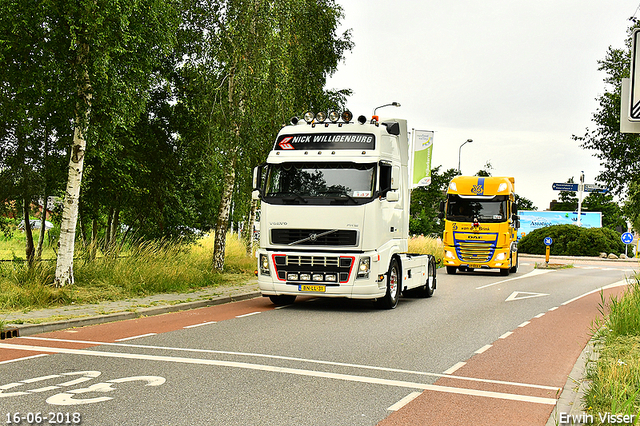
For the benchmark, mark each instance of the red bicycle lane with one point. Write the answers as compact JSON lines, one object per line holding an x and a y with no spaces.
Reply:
{"x":516,"y":380}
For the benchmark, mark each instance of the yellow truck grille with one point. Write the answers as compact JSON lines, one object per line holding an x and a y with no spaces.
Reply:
{"x":475,"y":251}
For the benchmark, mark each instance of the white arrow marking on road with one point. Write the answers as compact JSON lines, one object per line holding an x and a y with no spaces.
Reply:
{"x":516,"y":295}
{"x":530,"y":274}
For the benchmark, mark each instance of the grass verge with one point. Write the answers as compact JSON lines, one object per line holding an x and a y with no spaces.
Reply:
{"x":615,"y":376}
{"x":151,"y":268}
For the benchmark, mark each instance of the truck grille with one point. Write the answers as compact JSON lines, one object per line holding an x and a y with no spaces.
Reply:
{"x":475,"y":251}
{"x":304,"y":265}
{"x":315,"y":237}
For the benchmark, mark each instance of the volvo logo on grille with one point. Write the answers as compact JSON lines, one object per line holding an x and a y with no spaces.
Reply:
{"x":313,"y":237}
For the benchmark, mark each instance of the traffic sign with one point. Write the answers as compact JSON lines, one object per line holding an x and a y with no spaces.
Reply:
{"x":634,"y":102}
{"x":627,"y":238}
{"x":548,"y":241}
{"x":590,"y":187}
{"x":560,"y":186}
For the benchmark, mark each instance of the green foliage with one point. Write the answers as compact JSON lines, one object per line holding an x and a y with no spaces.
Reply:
{"x":617,"y":151}
{"x":571,"y":240}
{"x":161,"y":266}
{"x":425,"y":203}
{"x":615,"y":376}
{"x":524,"y":203}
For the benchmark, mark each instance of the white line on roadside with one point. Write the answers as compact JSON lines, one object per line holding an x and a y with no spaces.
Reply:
{"x":294,"y":371}
{"x":540,"y":315}
{"x":530,"y":274}
{"x":303,"y":360}
{"x":525,"y":324}
{"x":404,"y":401}
{"x":455,"y":367}
{"x":483,"y":349}
{"x":135,"y":337}
{"x":505,"y":335}
{"x":247,"y":315}
{"x":200,"y":325}
{"x":606,"y":287}
{"x":553,"y":309}
{"x":23,"y":358}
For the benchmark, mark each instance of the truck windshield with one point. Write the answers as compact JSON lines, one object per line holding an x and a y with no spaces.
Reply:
{"x":349,"y":182}
{"x":466,"y":209}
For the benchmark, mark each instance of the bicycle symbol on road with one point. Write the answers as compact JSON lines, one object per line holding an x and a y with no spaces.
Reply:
{"x":68,"y":397}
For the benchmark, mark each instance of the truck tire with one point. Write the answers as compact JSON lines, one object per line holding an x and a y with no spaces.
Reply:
{"x":514,"y":268}
{"x":451,"y":270}
{"x":504,"y":272}
{"x":390,"y":299}
{"x":427,"y":289}
{"x":282,"y":299}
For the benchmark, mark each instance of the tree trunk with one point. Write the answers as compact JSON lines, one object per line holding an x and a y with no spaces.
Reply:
{"x":249,"y":227}
{"x":107,"y":234}
{"x":43,"y":222}
{"x":94,"y":238}
{"x":64,"y":265}
{"x":222,"y":222}
{"x":29,"y":248}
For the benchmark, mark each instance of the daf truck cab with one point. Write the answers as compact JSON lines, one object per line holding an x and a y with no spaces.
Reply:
{"x":334,"y":220}
{"x":481,"y":222}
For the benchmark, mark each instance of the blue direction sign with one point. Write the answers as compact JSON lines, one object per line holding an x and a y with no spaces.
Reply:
{"x":590,"y":187}
{"x":548,"y":241}
{"x":559,"y":186}
{"x":627,"y":238}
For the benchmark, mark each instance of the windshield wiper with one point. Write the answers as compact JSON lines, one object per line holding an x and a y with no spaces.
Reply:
{"x":288,"y":196}
{"x":341,"y":193}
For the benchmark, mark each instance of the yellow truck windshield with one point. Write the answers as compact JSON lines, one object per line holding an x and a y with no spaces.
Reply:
{"x":485,"y":209}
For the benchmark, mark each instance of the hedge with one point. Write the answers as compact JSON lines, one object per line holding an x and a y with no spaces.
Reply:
{"x":571,"y":240}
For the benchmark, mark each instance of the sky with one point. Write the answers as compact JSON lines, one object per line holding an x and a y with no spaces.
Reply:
{"x":517,"y":77}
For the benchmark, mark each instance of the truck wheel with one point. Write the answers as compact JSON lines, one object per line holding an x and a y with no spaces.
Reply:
{"x":504,"y":272}
{"x":390,"y":299}
{"x":427,"y":289}
{"x":451,"y":270}
{"x":282,"y":299}
{"x":514,"y":268}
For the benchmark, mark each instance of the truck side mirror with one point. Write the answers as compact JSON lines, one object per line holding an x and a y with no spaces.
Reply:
{"x":257,"y":177}
{"x":395,"y":178}
{"x":441,"y":209}
{"x":514,"y":208}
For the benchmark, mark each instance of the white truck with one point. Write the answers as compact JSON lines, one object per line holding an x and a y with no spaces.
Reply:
{"x":335,"y":212}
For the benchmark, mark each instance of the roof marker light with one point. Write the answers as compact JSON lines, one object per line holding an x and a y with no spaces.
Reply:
{"x":502,"y":187}
{"x":308,"y":117}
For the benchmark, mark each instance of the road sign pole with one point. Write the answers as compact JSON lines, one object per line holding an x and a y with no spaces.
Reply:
{"x":548,"y":251}
{"x":580,"y":190}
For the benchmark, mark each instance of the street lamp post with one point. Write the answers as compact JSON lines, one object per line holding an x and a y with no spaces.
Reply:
{"x":460,"y":152}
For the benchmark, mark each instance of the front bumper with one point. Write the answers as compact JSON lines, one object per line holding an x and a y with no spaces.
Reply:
{"x":321,"y":274}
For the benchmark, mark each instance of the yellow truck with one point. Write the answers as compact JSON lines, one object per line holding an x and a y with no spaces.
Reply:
{"x":481,"y":222}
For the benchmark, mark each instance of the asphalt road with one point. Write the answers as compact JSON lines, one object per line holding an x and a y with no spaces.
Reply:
{"x":317,"y":362}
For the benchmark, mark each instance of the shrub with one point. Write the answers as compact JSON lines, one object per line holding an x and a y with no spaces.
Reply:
{"x":571,"y":240}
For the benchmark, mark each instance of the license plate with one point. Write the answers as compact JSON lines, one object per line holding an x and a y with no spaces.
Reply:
{"x":475,"y":266}
{"x":314,"y":288}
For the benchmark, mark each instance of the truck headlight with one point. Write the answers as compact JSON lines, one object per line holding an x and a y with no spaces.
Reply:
{"x":264,"y":264}
{"x":363,"y":267}
{"x":449,"y":254}
{"x":501,"y":256}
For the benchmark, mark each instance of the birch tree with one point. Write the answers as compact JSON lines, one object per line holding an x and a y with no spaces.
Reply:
{"x":260,"y":58}
{"x":112,"y":47}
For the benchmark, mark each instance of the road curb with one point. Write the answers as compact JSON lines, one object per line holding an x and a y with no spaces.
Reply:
{"x":570,"y":401}
{"x":30,"y":329}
